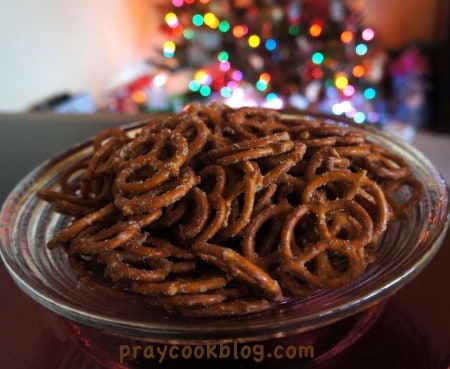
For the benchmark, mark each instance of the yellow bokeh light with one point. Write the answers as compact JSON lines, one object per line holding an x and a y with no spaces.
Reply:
{"x":254,"y":41}
{"x":341,"y":82}
{"x":211,"y":20}
{"x":171,"y":20}
{"x":169,"y":46}
{"x":201,"y":76}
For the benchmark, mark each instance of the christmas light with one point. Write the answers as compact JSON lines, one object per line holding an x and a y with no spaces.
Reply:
{"x":347,"y":37}
{"x":341,"y":82}
{"x":254,"y":41}
{"x":348,"y":90}
{"x":317,"y":73}
{"x":368,"y":34}
{"x":359,"y":117}
{"x":237,"y":75}
{"x":197,"y":20}
{"x":265,"y":77}
{"x":225,"y":92}
{"x":337,"y":109}
{"x":224,"y":26}
{"x":273,"y":101}
{"x":205,"y":91}
{"x":169,"y":49}
{"x":240,"y":30}
{"x":194,"y":85}
{"x":224,"y":66}
{"x":202,"y":77}
{"x":211,"y":20}
{"x":177,"y":3}
{"x":346,"y":106}
{"x":358,"y":71}
{"x":239,"y":98}
{"x":315,"y":30}
{"x":370,"y":93}
{"x":223,"y":56}
{"x":171,"y":20}
{"x":232,"y":85}
{"x":317,"y":58}
{"x":294,"y":30}
{"x":271,"y":96}
{"x":261,"y":85}
{"x":270,"y":44}
{"x":361,"y":49}
{"x":267,"y":35}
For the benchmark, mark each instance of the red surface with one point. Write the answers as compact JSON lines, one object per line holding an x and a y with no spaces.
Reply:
{"x":413,"y":331}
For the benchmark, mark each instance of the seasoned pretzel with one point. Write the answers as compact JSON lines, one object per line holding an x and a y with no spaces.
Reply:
{"x":218,"y":211}
{"x":229,"y":308}
{"x":400,"y":205}
{"x":239,"y":267}
{"x":311,"y":263}
{"x":180,"y":285}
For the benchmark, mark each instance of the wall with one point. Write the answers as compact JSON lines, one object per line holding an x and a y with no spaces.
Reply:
{"x":400,"y":21}
{"x":50,"y":46}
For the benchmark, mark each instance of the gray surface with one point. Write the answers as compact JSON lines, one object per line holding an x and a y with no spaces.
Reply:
{"x":26,"y":140}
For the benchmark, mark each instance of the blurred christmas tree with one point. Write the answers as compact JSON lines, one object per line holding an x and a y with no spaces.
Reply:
{"x":310,"y":54}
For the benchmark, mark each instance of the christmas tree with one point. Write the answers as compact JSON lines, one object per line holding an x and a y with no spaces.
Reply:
{"x":310,"y":54}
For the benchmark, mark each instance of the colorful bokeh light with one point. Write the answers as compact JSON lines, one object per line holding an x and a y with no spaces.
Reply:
{"x":368,"y":34}
{"x":197,"y":20}
{"x":240,"y":30}
{"x":270,"y":44}
{"x":341,"y":82}
{"x":254,"y":41}
{"x":169,"y":48}
{"x":358,"y":71}
{"x":347,"y":37}
{"x":315,"y":30}
{"x":361,"y":49}
{"x":172,"y":20}
{"x":211,"y":20}
{"x":317,"y":58}
{"x":370,"y":93}
{"x":224,"y":26}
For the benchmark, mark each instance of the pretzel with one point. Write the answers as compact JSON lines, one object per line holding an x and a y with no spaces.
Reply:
{"x":218,"y":211}
{"x":180,"y":285}
{"x":239,"y":267}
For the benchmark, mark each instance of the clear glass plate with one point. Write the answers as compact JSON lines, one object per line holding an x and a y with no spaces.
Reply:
{"x":27,"y":223}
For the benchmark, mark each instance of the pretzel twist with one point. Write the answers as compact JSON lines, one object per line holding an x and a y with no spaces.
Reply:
{"x":218,"y":211}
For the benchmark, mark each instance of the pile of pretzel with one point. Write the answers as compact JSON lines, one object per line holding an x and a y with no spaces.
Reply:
{"x":218,"y":211}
